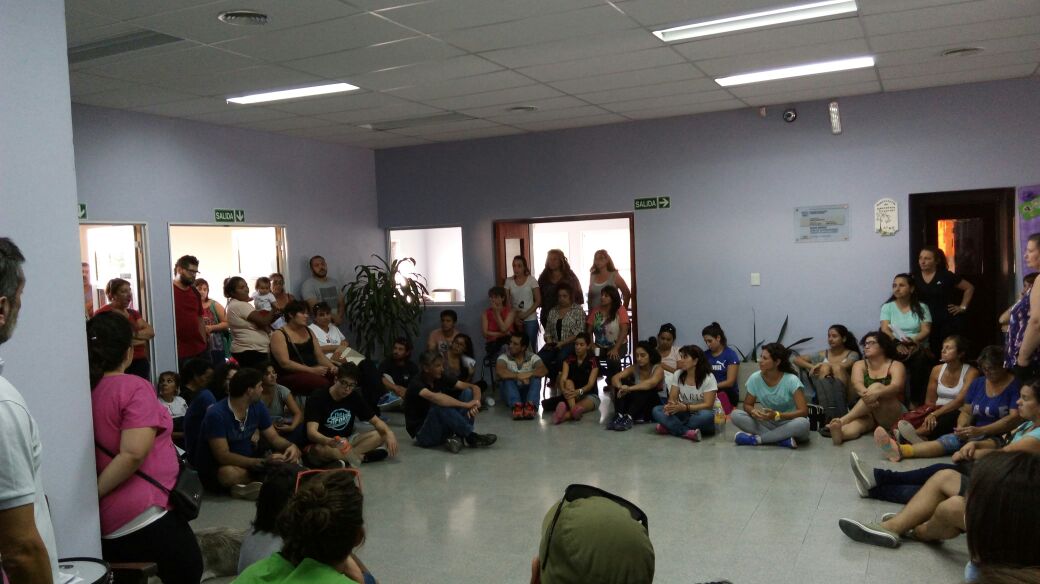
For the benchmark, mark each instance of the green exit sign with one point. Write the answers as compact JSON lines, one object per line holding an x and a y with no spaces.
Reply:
{"x":229,"y":215}
{"x":653,"y":203}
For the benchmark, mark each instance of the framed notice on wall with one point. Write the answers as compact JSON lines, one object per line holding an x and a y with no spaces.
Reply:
{"x":821,"y":223}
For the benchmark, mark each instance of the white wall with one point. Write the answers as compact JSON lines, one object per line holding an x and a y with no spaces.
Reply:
{"x":46,"y":358}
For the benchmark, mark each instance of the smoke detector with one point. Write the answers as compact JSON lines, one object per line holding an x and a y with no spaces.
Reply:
{"x":243,"y":18}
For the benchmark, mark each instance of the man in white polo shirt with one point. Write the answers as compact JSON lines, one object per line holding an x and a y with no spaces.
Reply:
{"x":27,"y":550}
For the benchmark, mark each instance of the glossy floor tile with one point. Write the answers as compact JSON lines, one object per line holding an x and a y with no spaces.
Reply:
{"x":717,"y":511}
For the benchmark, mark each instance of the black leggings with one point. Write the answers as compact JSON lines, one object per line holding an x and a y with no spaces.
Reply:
{"x":169,"y":542}
{"x":638,"y":404}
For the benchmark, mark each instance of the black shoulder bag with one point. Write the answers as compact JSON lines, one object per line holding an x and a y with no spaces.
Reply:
{"x":186,"y":496}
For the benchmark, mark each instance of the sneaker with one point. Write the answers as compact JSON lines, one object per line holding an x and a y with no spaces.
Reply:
{"x":390,"y":399}
{"x":745,"y":439}
{"x":889,"y":447}
{"x":518,"y":411}
{"x":614,"y":423}
{"x":693,"y":435}
{"x":248,"y":491}
{"x":625,"y":423}
{"x":863,"y":477}
{"x":482,"y":440}
{"x":908,"y":432}
{"x":334,"y":465}
{"x":662,"y":430}
{"x":490,"y":401}
{"x":871,"y":533}
{"x":453,"y":444}
{"x":788,"y":443}
{"x":561,"y":411}
{"x":576,"y":413}
{"x":530,"y":410}
{"x":886,"y":516}
{"x":375,"y":455}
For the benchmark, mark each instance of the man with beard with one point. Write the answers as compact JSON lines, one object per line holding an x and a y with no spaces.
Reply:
{"x":192,"y":340}
{"x":321,"y":288}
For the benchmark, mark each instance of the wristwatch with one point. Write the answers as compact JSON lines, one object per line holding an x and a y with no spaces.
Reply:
{"x":963,"y":308}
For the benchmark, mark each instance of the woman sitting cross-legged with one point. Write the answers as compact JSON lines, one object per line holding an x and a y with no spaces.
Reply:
{"x":990,"y":409}
{"x":689,"y":412}
{"x":578,"y":384}
{"x":298,"y":358}
{"x":901,"y":486}
{"x":878,"y":381}
{"x":635,"y":400}
{"x":835,"y":362}
{"x":320,"y":527}
{"x":775,"y":410}
{"x":947,"y":388}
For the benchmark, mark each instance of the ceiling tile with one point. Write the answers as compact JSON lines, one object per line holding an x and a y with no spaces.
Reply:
{"x":543,"y":105}
{"x":331,"y":129}
{"x":956,"y":36}
{"x":381,"y":4}
{"x":330,"y":36}
{"x":946,"y":16}
{"x":668,"y":101}
{"x":815,"y":94}
{"x":133,"y":96}
{"x":774,"y":39}
{"x":432,"y":129}
{"x":77,"y":20}
{"x":643,"y":77}
{"x":240,"y":115}
{"x":596,"y":120}
{"x":192,"y":61}
{"x":783,"y":58}
{"x":516,"y":119}
{"x":879,"y":6}
{"x":603,"y":64}
{"x":200,"y":23}
{"x":422,"y":73}
{"x":676,"y":12}
{"x":954,"y":64}
{"x":228,"y":83}
{"x":85,"y":84}
{"x":647,"y":91}
{"x":991,"y":47}
{"x":805,"y":83}
{"x":463,"y":86}
{"x":279,"y":125}
{"x":578,"y":48}
{"x":490,"y":98}
{"x":540,"y":29}
{"x":685,"y":110}
{"x":1007,"y":72}
{"x":472,"y":134}
{"x":382,"y":114}
{"x":383,"y":56}
{"x":336,"y":103}
{"x":444,"y":15}
{"x":82,"y":35}
{"x":189,"y":107}
{"x":376,"y":140}
{"x":128,"y":9}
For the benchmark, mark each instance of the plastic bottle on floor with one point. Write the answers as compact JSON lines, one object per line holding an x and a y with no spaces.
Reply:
{"x":720,"y":418}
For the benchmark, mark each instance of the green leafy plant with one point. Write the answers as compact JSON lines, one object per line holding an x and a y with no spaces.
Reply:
{"x":383,"y":304}
{"x":753,"y":355}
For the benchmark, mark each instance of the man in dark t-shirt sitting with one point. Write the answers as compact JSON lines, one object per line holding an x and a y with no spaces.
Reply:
{"x":441,"y":410}
{"x":397,"y":373}
{"x":330,"y":415}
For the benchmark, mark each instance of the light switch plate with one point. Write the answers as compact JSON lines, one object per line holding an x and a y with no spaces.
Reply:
{"x":756,"y":279}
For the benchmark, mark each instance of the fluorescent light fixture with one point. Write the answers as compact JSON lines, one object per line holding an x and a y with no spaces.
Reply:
{"x":797,"y":71}
{"x":292,"y":93}
{"x":757,"y":20}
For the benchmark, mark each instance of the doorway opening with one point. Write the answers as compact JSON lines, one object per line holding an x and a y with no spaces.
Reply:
{"x":226,"y":251}
{"x":975,"y":231}
{"x":579,"y":238}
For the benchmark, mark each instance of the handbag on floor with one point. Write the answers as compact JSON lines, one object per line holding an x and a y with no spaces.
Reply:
{"x":916,"y":416}
{"x":830,"y":393}
{"x":186,"y":495}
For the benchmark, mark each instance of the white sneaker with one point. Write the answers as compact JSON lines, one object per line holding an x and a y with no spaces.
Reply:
{"x":886,"y":516}
{"x":907,"y":431}
{"x":248,"y":491}
{"x":864,"y":478}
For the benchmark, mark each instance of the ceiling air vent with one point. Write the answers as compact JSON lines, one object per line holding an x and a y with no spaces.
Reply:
{"x":413,"y":122}
{"x":243,"y":18}
{"x":962,"y":52}
{"x":126,"y":43}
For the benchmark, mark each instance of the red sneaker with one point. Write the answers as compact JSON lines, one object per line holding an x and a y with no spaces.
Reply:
{"x":518,"y":411}
{"x":529,"y":411}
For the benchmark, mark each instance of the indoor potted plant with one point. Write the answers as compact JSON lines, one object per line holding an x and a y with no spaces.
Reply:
{"x":382,"y":303}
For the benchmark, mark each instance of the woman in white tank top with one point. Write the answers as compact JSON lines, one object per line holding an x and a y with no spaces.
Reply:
{"x":946,"y":388}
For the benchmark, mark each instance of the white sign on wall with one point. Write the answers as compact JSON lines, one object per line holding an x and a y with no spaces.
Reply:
{"x":886,"y":217}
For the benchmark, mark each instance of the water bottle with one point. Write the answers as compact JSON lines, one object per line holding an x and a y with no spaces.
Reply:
{"x":720,"y":418}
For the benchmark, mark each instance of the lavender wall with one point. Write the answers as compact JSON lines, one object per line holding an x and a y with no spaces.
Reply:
{"x":140,"y":168}
{"x":734,"y":179}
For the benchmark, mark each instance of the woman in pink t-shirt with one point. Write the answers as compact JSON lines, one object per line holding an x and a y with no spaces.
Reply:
{"x":137,"y":524}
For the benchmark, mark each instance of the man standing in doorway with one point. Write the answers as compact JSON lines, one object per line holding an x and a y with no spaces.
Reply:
{"x":28,"y":553}
{"x":187,"y":310}
{"x":321,"y":288}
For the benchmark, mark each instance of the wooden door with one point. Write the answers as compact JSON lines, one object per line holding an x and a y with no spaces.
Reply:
{"x":512,"y":238}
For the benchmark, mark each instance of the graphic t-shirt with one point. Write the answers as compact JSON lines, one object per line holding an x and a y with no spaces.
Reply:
{"x":527,"y":365}
{"x":522,"y":295}
{"x":694,"y":394}
{"x":985,"y":409}
{"x":336,"y":418}
{"x":779,"y":397}
{"x":322,"y":291}
{"x":720,"y":366}
{"x":606,"y":333}
{"x":416,"y":406}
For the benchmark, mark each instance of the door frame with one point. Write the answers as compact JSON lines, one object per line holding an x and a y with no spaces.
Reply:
{"x":629,"y":215}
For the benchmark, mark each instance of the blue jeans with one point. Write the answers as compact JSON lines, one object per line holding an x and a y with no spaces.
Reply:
{"x":901,"y":486}
{"x":680,"y":423}
{"x":529,"y":392}
{"x":531,"y":328}
{"x":442,"y":422}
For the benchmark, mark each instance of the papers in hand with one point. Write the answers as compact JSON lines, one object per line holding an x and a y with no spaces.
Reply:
{"x":898,"y":333}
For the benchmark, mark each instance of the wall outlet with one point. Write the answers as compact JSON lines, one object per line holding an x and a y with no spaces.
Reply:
{"x":756,"y":279}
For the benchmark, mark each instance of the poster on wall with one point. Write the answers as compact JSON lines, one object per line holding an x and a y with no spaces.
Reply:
{"x":886,"y":216}
{"x":1027,"y":205}
{"x":821,"y":223}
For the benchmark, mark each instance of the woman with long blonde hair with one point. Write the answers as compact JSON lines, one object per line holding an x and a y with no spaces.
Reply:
{"x":603,"y":274}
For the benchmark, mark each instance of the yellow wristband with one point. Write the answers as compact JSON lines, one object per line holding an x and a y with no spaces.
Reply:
{"x":776,"y":417}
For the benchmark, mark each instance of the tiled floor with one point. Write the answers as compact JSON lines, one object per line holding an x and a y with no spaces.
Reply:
{"x":747,"y":514}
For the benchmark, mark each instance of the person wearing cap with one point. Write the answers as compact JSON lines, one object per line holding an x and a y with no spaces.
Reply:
{"x":591,"y":536}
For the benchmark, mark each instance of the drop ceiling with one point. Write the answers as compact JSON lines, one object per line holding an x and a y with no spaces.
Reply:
{"x":579,"y":62}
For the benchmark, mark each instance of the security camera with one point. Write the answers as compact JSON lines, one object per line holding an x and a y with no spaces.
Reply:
{"x":790,"y":115}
